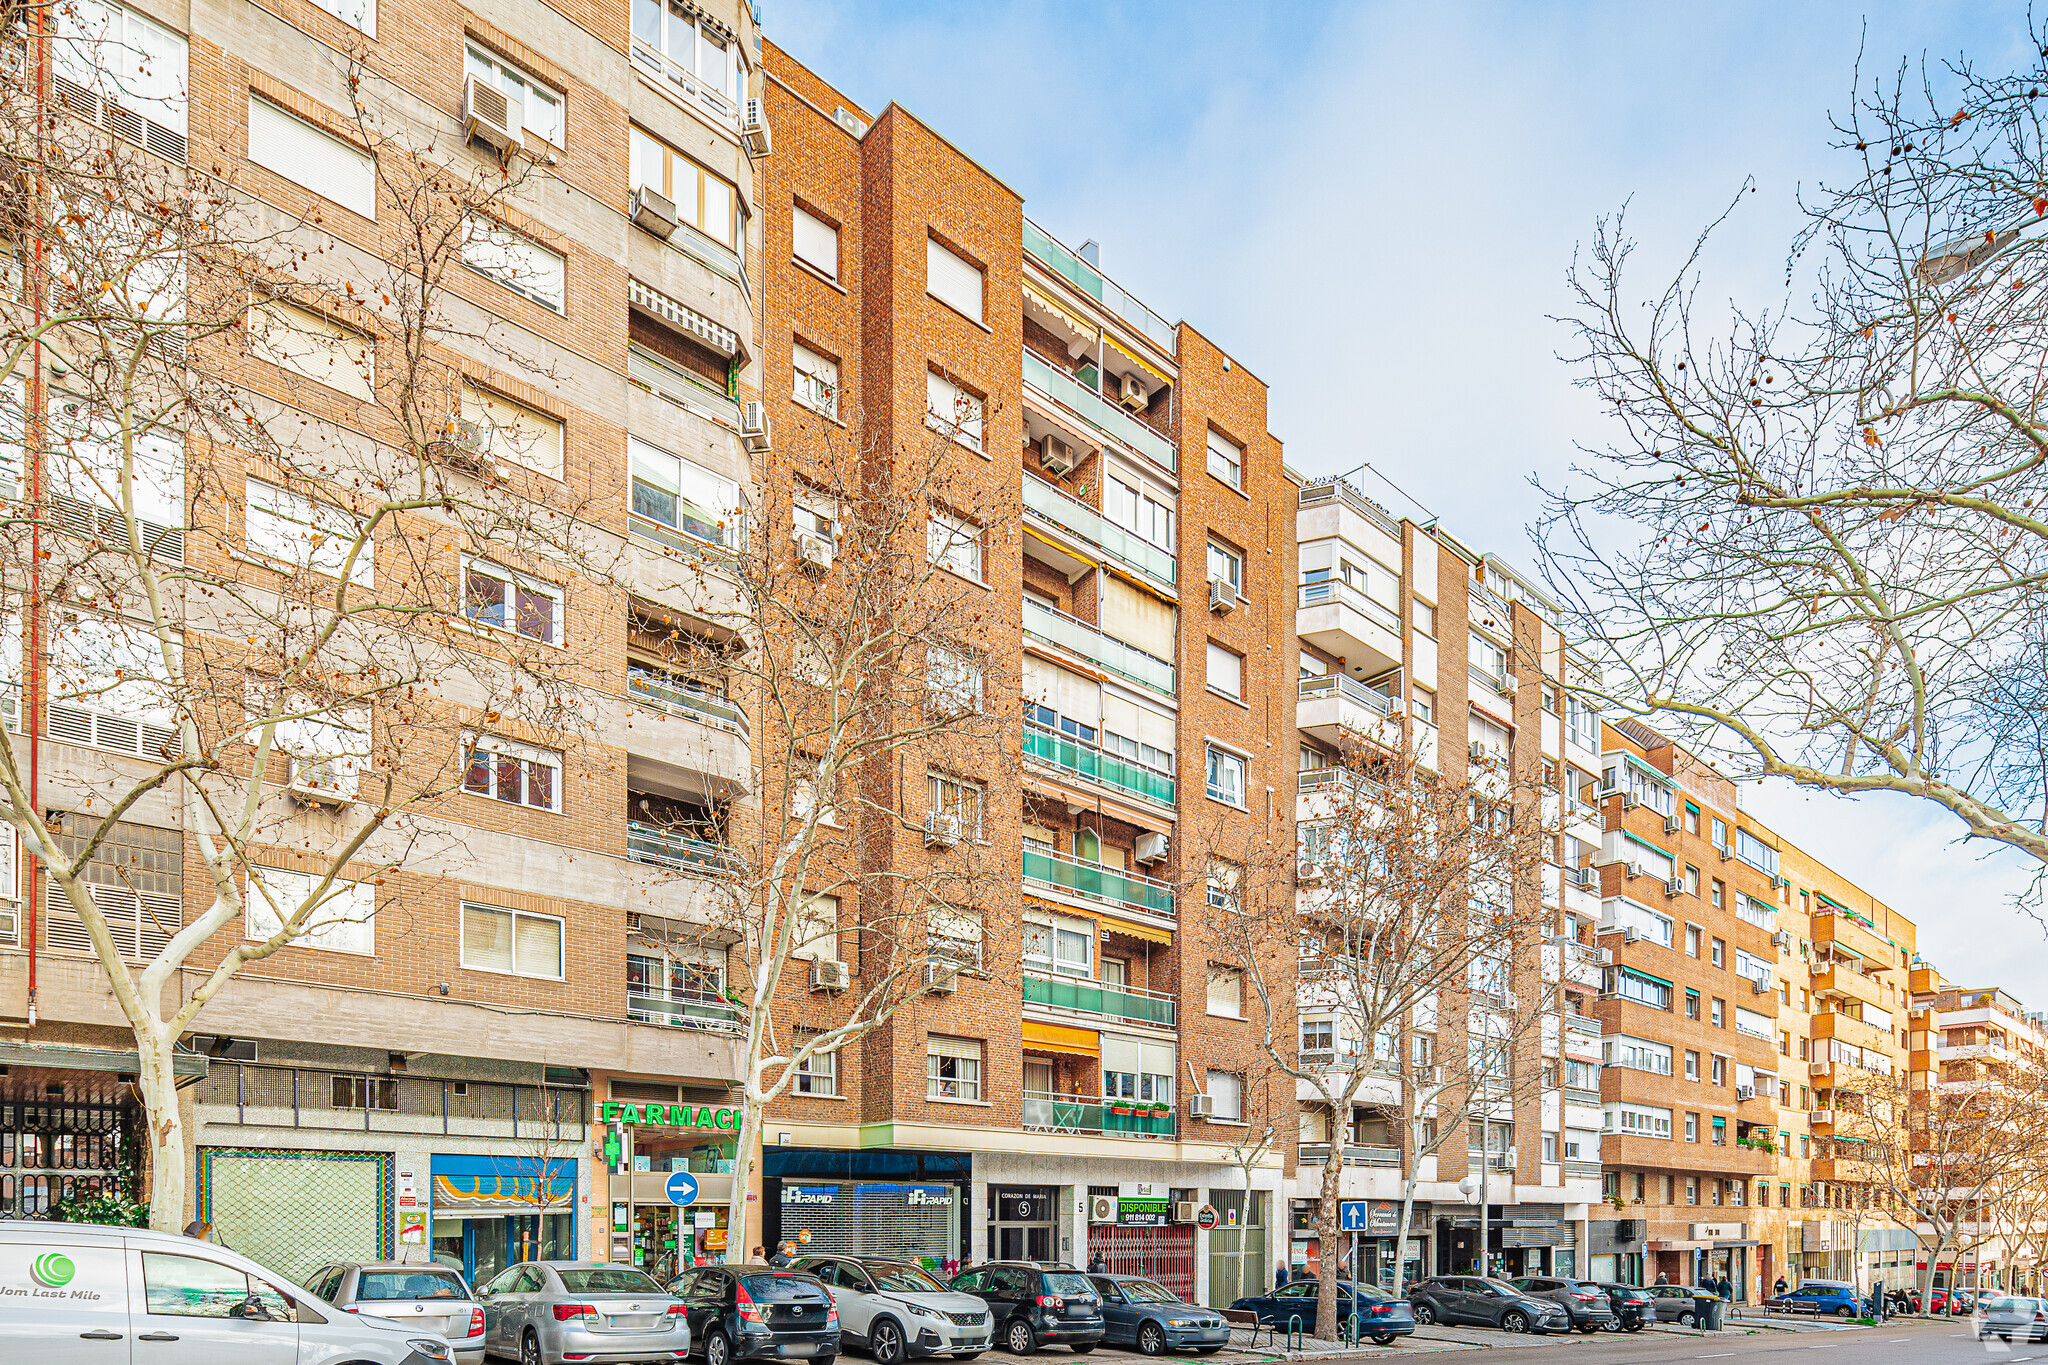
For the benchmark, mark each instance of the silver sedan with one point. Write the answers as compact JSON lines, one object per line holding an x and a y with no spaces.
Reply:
{"x":541,"y":1312}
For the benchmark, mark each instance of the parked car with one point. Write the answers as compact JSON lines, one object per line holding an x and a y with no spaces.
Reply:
{"x":432,"y":1297}
{"x":1380,"y":1315}
{"x":2006,"y":1317}
{"x":1632,"y":1306}
{"x":83,"y":1294}
{"x":1820,"y":1297}
{"x":895,"y":1310}
{"x":542,"y":1312}
{"x":1584,"y":1302}
{"x":1467,"y":1299}
{"x":1674,"y":1303}
{"x":1037,"y":1303}
{"x":1967,"y":1301}
{"x":1146,"y":1314}
{"x":757,"y":1312}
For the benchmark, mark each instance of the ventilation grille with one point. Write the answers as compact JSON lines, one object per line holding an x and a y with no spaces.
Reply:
{"x":98,"y":730}
{"x":140,"y":922}
{"x":76,"y":517}
{"x":143,"y":132}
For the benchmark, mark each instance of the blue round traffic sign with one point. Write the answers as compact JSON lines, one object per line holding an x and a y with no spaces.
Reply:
{"x":681,"y":1189}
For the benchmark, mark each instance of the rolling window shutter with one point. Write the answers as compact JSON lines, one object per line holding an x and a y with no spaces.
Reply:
{"x":951,"y":280}
{"x":307,"y":156}
{"x":1137,"y":618}
{"x":816,"y":242}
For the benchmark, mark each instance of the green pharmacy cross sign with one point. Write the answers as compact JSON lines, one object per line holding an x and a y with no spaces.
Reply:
{"x":669,"y":1116}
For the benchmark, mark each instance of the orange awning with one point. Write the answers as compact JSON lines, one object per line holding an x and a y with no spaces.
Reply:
{"x":1076,"y":1042}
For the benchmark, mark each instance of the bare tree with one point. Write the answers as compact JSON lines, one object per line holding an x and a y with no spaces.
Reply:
{"x":1815,"y":544}
{"x":1418,"y":918}
{"x":255,"y":537}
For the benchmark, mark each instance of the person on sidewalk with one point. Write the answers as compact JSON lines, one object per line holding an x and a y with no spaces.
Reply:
{"x":1662,"y":1278}
{"x":1280,"y":1276}
{"x":1724,"y":1289}
{"x":1779,"y":1288}
{"x":1098,"y":1264}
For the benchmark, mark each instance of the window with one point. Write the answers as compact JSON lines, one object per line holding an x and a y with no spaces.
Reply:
{"x":1692,"y":1188}
{"x":1720,"y":1008}
{"x":1692,"y":940}
{"x":511,"y":431}
{"x":1692,"y":880}
{"x":684,"y":497}
{"x":1720,"y":832}
{"x":1642,"y":988}
{"x":1692,"y":1065}
{"x":952,"y":410}
{"x":364,"y":1092}
{"x":818,"y":1074}
{"x":815,"y":242}
{"x":1753,"y":967}
{"x":951,"y":280}
{"x":542,"y":107}
{"x":814,"y":931}
{"x":1756,"y":852}
{"x":192,"y":1287}
{"x":333,"y":169}
{"x":956,"y":796}
{"x":1226,"y":1092}
{"x":1718,"y":954}
{"x":1581,"y":722}
{"x":1139,"y":509}
{"x":1637,"y":1120}
{"x":954,"y":543}
{"x":1644,"y":785}
{"x":1224,"y":881}
{"x":952,"y":1068}
{"x":1692,"y":1004}
{"x":1637,"y":1054}
{"x":295,"y":530}
{"x":1692,"y":1130}
{"x":699,"y":57}
{"x":1226,"y":566}
{"x":953,"y":681}
{"x":1226,"y":777}
{"x":1060,"y":944}
{"x":519,"y":263}
{"x":703,"y":199}
{"x":1422,"y":702}
{"x":1226,"y":671}
{"x":1618,"y":913}
{"x":815,"y":380}
{"x":139,"y":67}
{"x":1719,"y":898}
{"x":508,"y":601}
{"x":517,"y":942}
{"x":1750,"y":1022}
{"x":1750,"y":910}
{"x":520,"y":774}
{"x":1226,"y":459}
{"x":956,"y":937}
{"x":1425,"y":617}
{"x":340,"y":923}
{"x":311,"y":347}
{"x":1550,"y":1147}
{"x":1226,"y":991}
{"x":1720,"y":1070}
{"x":1318,"y":1035}
{"x":1692,"y":818}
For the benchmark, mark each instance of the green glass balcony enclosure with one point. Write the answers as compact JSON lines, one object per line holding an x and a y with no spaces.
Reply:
{"x":1091,"y":1114}
{"x":1087,"y":996}
{"x":1096,"y":881}
{"x":1098,"y":412}
{"x":1086,"y":760}
{"x":1076,"y":636}
{"x":1077,"y":518}
{"x":1098,"y":286}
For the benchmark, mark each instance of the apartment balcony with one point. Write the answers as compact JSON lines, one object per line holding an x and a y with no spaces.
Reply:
{"x":1975,"y":1052}
{"x":1856,"y":1033}
{"x":1054,"y":627}
{"x":1093,"y":764}
{"x":1582,"y":1170}
{"x":1098,"y":412}
{"x":1042,"y":247}
{"x":1339,"y":619}
{"x":1848,"y":936}
{"x":1582,"y":1037}
{"x":665,"y":848}
{"x":1844,"y":982}
{"x":1048,"y":872}
{"x":1092,"y":1114}
{"x":1315,"y":1156}
{"x":1579,"y":964}
{"x":1339,"y":493}
{"x":678,"y":1008}
{"x":1339,"y":710}
{"x":698,"y":737}
{"x":1098,"y":1000}
{"x":1095,"y":535}
{"x":677,"y":697}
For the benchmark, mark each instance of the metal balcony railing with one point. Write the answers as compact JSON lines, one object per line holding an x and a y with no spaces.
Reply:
{"x":1372,"y":699}
{"x":1580,"y":1170}
{"x":1095,"y":881}
{"x":667,"y":693}
{"x":1087,"y":760}
{"x":682,"y":1009}
{"x":1098,"y":412}
{"x":1079,"y":519}
{"x":665,"y":848}
{"x":1093,"y":1114}
{"x":1316,"y":1153}
{"x":1078,"y":637}
{"x":1098,"y":286}
{"x":1336,"y":590}
{"x":1337,"y":490}
{"x":1085,"y":996}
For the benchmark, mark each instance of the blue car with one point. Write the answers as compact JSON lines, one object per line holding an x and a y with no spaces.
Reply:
{"x":1146,"y":1314}
{"x":1822,"y":1298}
{"x":1381,"y":1316}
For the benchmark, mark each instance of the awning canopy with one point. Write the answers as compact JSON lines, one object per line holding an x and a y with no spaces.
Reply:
{"x":1151,"y":933}
{"x":1074,"y":1042}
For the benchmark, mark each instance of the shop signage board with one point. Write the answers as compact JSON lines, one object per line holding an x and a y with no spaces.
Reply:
{"x":1144,"y":1213}
{"x":619,"y":1216}
{"x":1719,"y":1232}
{"x":1016,"y":1206}
{"x":412,"y":1227}
{"x":1369,"y":1215}
{"x":669,"y":1116}
{"x":815,"y":1195}
{"x":1206,"y":1217}
{"x":681,"y":1189}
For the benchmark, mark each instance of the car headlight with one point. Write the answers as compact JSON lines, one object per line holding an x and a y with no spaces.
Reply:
{"x":432,"y":1350}
{"x":922,"y":1311}
{"x":1180,"y":1322}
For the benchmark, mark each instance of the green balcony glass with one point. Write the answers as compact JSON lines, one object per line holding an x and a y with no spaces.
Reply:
{"x":1086,"y":760}
{"x":1127,"y":661}
{"x":1098,"y":412}
{"x":1085,"y":523}
{"x":1098,"y":286}
{"x":1096,"y":882}
{"x":1093,"y":997}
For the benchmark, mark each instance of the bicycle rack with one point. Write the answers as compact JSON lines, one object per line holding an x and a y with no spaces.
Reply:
{"x":1296,"y":1340}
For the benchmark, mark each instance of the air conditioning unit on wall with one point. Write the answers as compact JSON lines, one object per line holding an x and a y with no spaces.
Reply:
{"x":1055,"y":456}
{"x":1102,"y":1208}
{"x":491,"y":116}
{"x":829,"y":974}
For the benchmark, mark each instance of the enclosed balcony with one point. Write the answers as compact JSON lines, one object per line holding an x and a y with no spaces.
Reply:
{"x":667,"y":832}
{"x":1339,"y":619}
{"x":1062,"y":874}
{"x":687,"y":698}
{"x":1339,"y":710}
{"x":1094,"y":764}
{"x":1097,"y":411}
{"x":1097,"y":536}
{"x":1054,"y":627}
{"x":1043,"y":247}
{"x":1084,"y":995}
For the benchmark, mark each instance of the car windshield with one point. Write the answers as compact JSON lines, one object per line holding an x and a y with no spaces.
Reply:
{"x":904,"y":1279}
{"x":782,"y":1288}
{"x":2003,"y":1306}
{"x":1071,"y":1282}
{"x":1144,"y":1291}
{"x":409,"y":1284}
{"x":609,"y":1280}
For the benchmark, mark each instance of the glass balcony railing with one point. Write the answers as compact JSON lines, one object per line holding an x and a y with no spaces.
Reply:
{"x":1087,"y":996}
{"x":1098,"y":412}
{"x":1092,"y":1114}
{"x":1336,"y":684}
{"x":1127,"y":661}
{"x":1337,"y":590}
{"x":665,"y":848}
{"x":1096,"y":881}
{"x":1081,"y":520}
{"x":665,"y":692}
{"x":1086,"y":760}
{"x":1097,"y":286}
{"x":681,"y":1009}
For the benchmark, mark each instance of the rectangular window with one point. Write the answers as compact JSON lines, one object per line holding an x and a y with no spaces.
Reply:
{"x":1318,"y":1035}
{"x":1692,"y":1130}
{"x":311,"y":347}
{"x":814,"y":933}
{"x":815,"y":380}
{"x":1692,"y":819}
{"x":952,"y":1068}
{"x":1692,"y":940}
{"x":684,"y":497}
{"x":138,"y":66}
{"x":1718,"y":1013}
{"x":514,"y":432}
{"x":957,"y":796}
{"x":516,"y":942}
{"x":1637,"y":1120}
{"x":1718,"y":953}
{"x":704,"y":199}
{"x":700,"y":58}
{"x":818,"y":1074}
{"x":1720,"y":832}
{"x":1137,"y":507}
{"x":1226,"y":991}
{"x":518,"y":774}
{"x":341,"y":922}
{"x":1226,"y":566}
{"x":1422,"y":702}
{"x":951,"y":280}
{"x":1061,"y":944}
{"x":815,"y":242}
{"x":954,"y":543}
{"x":1644,"y":990}
{"x":1550,"y":1147}
{"x":952,"y":410}
{"x":1226,"y":671}
{"x":1692,"y":1065}
{"x":1638,"y":1054}
{"x":1720,"y":1070}
{"x":1719,"y":897}
{"x":1224,"y":881}
{"x":542,"y":106}
{"x":519,"y":263}
{"x":1750,"y":1022}
{"x":1581,"y":722}
{"x":956,"y":937}
{"x":1226,"y":459}
{"x":1692,"y":1185}
{"x":1617,"y":913}
{"x":504,"y":600}
{"x":1756,"y":852}
{"x":331,"y":168}
{"x":1226,"y":777}
{"x":1692,"y":1004}
{"x":358,"y":1092}
{"x":295,"y":530}
{"x":1425,"y":618}
{"x":1226,"y":1092}
{"x":1692,"y":880}
{"x":953,"y":681}
{"x":1751,"y":966}
{"x":1750,"y":910}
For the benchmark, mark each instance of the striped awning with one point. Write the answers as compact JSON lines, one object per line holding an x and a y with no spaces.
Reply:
{"x":1075,"y":1042}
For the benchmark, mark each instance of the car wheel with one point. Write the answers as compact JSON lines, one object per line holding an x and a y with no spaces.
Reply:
{"x":1845,"y":1313}
{"x":1152,"y":1339}
{"x":885,"y":1343}
{"x":529,"y":1350}
{"x":1685,"y":1318}
{"x":1425,"y":1316}
{"x":1514,"y":1322}
{"x":1383,"y":1339}
{"x":717,"y":1350}
{"x":1635,"y":1326}
{"x":1018,"y":1338}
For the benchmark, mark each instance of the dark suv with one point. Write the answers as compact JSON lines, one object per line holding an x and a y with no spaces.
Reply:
{"x":755,"y":1312}
{"x":1632,"y":1306}
{"x":1037,"y":1303}
{"x":1485,"y":1303}
{"x":1585,"y":1302}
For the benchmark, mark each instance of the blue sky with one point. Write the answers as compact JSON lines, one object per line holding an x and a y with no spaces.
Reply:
{"x":1373,"y":207}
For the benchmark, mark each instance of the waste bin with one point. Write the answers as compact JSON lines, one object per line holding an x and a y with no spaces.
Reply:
{"x":1709,"y":1312}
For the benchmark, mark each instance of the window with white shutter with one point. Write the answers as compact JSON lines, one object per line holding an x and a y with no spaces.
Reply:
{"x":951,"y":280}
{"x":952,"y":1068}
{"x":815,"y":379}
{"x":952,"y":410}
{"x":520,"y":264}
{"x":815,"y":242}
{"x":313,"y":348}
{"x":516,"y":942}
{"x":514,"y":432}
{"x":1226,"y":671}
{"x":305,"y":155}
{"x":1226,"y":1093}
{"x":282,"y":525}
{"x":340,"y":922}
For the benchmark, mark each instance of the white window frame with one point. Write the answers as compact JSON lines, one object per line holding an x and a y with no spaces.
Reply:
{"x":961,"y":796}
{"x":1232,"y":682}
{"x":814,"y":928}
{"x":1636,"y":1120}
{"x":965,"y":1056}
{"x":954,"y":544}
{"x":512,"y":582}
{"x":953,"y":677}
{"x":818,"y":1074}
{"x":1051,"y":941}
{"x":515,"y":918}
{"x":953,"y":280}
{"x":517,"y":433}
{"x":952,"y":411}
{"x":706,"y":202}
{"x":1226,"y":459}
{"x":311,"y":157}
{"x":1224,"y":992}
{"x":526,"y":754}
{"x":814,"y":241}
{"x":672,"y":476}
{"x":321,"y":544}
{"x":814,"y":380}
{"x":1638,"y":1054}
{"x":534,"y":96}
{"x":957,"y":936}
{"x":344,"y":921}
{"x":532,"y":271}
{"x":317,"y":349}
{"x":1226,"y":1096}
{"x":1214,"y":751}
{"x":1226,"y":565}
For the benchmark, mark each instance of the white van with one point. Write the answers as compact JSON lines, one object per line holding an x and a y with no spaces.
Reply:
{"x":82,"y":1294}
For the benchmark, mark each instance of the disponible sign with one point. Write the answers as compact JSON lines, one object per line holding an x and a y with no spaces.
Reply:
{"x":1144,"y":1213}
{"x":669,"y":1116}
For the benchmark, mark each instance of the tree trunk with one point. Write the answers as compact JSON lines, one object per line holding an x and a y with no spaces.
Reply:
{"x":1401,"y":1236}
{"x":1327,"y":1233}
{"x":164,"y":1142}
{"x":736,"y":1232}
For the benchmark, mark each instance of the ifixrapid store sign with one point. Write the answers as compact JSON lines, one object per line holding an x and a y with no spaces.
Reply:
{"x":669,"y":1116}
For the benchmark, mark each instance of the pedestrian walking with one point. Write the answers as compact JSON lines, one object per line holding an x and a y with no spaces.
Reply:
{"x":1098,"y":1264}
{"x":1662,"y":1278}
{"x":1724,"y":1288}
{"x":1280,"y":1276}
{"x":1780,"y":1287}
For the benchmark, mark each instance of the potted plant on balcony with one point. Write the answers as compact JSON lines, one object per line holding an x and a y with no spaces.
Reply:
{"x":1162,"y":1118}
{"x":1120,"y":1113}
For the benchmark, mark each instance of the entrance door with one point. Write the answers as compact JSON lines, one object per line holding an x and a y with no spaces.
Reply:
{"x":1024,"y":1242}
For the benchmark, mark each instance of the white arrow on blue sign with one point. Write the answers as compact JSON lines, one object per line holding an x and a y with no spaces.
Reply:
{"x":681,"y":1189}
{"x":1351,"y":1215}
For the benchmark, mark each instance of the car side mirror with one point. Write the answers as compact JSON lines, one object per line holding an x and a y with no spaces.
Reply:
{"x":251,"y":1309}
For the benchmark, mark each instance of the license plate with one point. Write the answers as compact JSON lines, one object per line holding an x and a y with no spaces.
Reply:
{"x":797,"y":1348}
{"x":629,"y":1322}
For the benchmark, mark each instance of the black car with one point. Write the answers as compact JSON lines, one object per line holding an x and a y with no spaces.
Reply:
{"x":756,"y":1312}
{"x":1037,"y":1303}
{"x":1146,"y":1314}
{"x":1584,"y":1302}
{"x":1485,"y":1303}
{"x":1632,"y":1306}
{"x":1380,"y":1315}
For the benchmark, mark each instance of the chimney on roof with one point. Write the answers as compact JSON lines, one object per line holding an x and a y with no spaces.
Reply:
{"x":1091,"y":252}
